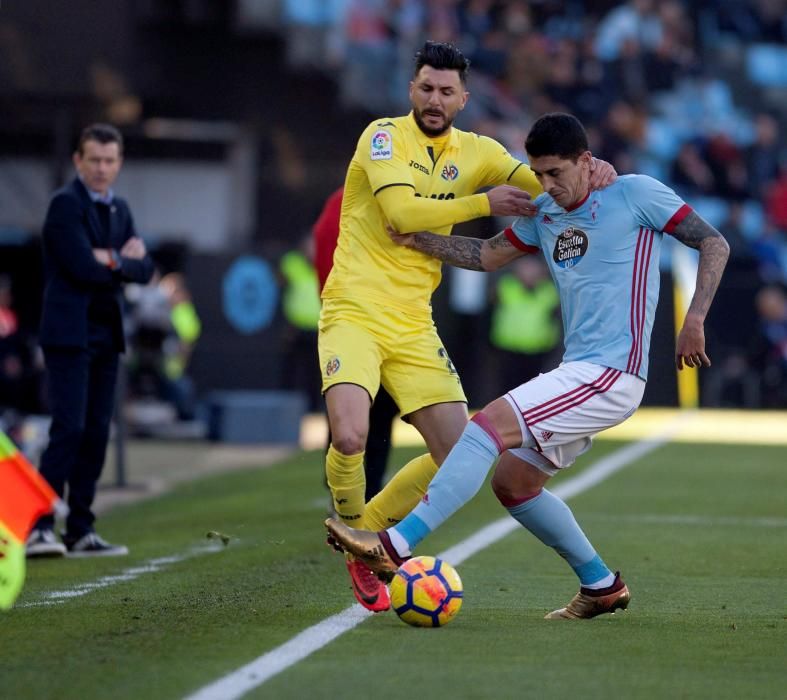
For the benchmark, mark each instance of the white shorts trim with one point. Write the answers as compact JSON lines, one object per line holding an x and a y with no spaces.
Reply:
{"x":560,"y":411}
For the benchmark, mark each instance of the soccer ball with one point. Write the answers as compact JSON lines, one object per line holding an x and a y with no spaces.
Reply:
{"x":426,"y":592}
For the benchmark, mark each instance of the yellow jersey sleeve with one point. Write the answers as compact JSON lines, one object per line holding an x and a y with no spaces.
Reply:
{"x":504,"y":169}
{"x":383,"y":154}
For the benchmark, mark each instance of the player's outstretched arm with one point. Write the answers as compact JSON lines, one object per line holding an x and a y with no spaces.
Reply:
{"x":408,"y":213}
{"x":460,"y":251}
{"x":697,"y":233}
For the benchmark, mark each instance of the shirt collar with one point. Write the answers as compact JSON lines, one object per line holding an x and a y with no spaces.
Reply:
{"x":424,"y":140}
{"x":578,"y":204}
{"x":97,"y":196}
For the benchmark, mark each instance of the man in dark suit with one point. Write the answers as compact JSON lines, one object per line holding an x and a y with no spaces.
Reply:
{"x":90,"y":250}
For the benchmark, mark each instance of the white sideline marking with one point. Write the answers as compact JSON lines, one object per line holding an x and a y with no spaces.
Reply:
{"x":239,"y":682}
{"x":133,"y":572}
{"x":601,"y":470}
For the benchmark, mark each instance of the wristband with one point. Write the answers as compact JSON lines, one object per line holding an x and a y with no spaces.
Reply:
{"x":114,"y":259}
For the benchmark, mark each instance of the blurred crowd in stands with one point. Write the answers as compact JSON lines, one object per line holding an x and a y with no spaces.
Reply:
{"x":691,"y":92}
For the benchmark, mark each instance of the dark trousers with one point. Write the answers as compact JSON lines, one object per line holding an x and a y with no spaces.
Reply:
{"x":378,"y":442}
{"x":81,"y":391}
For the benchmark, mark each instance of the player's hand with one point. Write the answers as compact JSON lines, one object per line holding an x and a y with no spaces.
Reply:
{"x":506,"y":200}
{"x":403,"y":239}
{"x":134,"y":248}
{"x":690,"y":349}
{"x":602,"y":174}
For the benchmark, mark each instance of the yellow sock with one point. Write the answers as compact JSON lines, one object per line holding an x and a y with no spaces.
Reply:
{"x":401,"y":494}
{"x":347,"y":482}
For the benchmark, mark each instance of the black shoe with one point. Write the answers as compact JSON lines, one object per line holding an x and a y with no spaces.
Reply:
{"x":43,"y":543}
{"x":91,"y":545}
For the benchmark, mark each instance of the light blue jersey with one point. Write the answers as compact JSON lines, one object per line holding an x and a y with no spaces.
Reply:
{"x":604,"y":257}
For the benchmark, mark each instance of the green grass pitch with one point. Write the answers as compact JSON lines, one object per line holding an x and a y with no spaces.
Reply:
{"x":699,"y":532}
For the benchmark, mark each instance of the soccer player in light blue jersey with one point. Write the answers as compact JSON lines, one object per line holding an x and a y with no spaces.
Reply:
{"x":602,"y":248}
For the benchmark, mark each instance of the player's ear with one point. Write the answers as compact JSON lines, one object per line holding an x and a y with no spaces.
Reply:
{"x":465,"y":95}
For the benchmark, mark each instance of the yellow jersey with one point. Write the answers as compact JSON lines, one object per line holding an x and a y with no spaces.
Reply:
{"x":401,"y":176}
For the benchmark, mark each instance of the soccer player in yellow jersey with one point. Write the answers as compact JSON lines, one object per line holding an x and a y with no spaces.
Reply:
{"x":414,"y":172}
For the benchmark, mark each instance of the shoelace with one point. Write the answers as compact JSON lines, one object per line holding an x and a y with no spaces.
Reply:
{"x":92,"y":539}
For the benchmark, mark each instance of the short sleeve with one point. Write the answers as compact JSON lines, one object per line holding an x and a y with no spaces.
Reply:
{"x":382,"y":153}
{"x":523,"y":234}
{"x":654,"y":204}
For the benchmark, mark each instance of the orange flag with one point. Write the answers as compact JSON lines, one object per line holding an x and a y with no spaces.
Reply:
{"x":24,"y":497}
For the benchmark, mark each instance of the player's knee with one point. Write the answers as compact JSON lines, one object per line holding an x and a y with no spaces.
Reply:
{"x":349,"y":442}
{"x":510,"y":491}
{"x":502,"y":488}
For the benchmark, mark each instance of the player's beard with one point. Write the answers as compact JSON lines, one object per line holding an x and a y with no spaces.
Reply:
{"x":428,"y":130}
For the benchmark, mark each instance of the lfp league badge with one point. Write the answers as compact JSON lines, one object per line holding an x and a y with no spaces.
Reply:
{"x":382,"y":145}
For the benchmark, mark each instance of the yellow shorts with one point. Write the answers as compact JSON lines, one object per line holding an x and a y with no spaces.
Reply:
{"x":369,"y":344}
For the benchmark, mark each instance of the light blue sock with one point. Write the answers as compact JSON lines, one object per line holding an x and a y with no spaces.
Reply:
{"x":552,"y":522}
{"x":459,"y":479}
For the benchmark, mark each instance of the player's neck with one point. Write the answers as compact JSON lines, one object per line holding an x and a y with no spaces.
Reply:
{"x":579,"y":202}
{"x":437,"y":138}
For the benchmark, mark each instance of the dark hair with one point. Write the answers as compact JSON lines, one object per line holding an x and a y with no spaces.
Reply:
{"x":103,"y":133}
{"x":442,"y":56}
{"x":557,"y":134}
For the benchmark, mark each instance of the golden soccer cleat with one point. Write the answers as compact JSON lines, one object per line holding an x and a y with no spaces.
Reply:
{"x":589,"y":603}
{"x":368,"y":547}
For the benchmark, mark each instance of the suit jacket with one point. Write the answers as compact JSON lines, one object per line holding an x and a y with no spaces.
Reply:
{"x":72,"y":275}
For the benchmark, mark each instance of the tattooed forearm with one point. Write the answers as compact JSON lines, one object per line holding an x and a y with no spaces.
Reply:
{"x":500,"y":242}
{"x":697,"y":233}
{"x":454,"y":250}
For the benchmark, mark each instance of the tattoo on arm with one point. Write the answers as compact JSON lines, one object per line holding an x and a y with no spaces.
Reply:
{"x":693,"y":230}
{"x":500,"y":242}
{"x":454,"y":250}
{"x":697,"y":233}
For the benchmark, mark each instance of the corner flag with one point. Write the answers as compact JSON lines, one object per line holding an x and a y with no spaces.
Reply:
{"x":24,"y":497}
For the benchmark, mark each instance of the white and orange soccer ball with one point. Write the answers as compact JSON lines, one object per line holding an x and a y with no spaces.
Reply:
{"x":426,"y":592}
